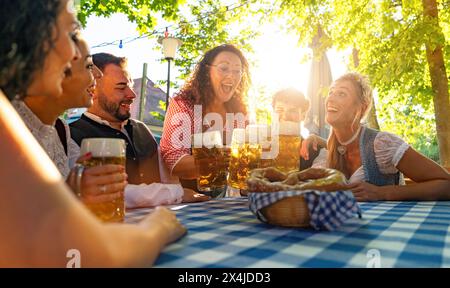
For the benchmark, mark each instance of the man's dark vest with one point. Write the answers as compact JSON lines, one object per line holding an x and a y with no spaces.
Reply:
{"x":142,"y":157}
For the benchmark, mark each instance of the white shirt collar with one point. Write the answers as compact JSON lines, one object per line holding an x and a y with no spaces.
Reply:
{"x":98,"y":119}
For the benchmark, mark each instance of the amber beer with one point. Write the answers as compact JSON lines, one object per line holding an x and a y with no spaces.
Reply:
{"x":289,"y":141}
{"x":106,"y":151}
{"x":245,"y":156}
{"x":268,"y":152}
{"x":207,"y":150}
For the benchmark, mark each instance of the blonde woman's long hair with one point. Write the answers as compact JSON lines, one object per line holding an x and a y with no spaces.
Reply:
{"x":364,"y":92}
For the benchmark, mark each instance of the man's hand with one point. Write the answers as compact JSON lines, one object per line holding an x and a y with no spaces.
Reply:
{"x":191,"y":196}
{"x":314,"y":141}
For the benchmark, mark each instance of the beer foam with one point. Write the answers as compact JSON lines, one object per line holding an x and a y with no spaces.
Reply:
{"x":197,"y":140}
{"x":304,"y":131}
{"x":257,"y":133}
{"x":238,"y":137}
{"x":212,"y":138}
{"x":103,"y":147}
{"x":289,"y":128}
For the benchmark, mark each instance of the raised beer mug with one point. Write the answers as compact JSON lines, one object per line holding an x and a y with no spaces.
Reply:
{"x":245,"y":156}
{"x":289,"y":142}
{"x":106,"y":151}
{"x":207,"y":150}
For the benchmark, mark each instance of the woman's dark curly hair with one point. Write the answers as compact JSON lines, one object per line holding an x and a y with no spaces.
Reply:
{"x":26,"y":33}
{"x":199,"y":89}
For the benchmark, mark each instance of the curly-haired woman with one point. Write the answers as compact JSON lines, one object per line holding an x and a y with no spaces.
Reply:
{"x":219,"y":85}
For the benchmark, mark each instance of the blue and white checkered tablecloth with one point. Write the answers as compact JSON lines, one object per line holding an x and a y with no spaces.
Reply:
{"x":224,"y":233}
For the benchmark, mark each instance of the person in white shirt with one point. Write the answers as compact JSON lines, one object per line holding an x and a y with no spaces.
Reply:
{"x":372,"y":160}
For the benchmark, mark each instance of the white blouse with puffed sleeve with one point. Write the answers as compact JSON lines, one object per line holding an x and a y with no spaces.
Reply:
{"x":389,"y":150}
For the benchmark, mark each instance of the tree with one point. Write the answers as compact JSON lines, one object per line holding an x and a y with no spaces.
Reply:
{"x":401,"y":47}
{"x":208,"y":24}
{"x":439,"y":80}
{"x":372,"y":120}
{"x":141,"y":12}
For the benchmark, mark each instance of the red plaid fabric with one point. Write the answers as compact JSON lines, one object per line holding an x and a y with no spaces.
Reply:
{"x":177,"y":131}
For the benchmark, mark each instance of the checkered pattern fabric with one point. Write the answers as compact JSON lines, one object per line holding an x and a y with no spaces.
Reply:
{"x":224,"y":233}
{"x":177,"y":131}
{"x":327,"y":210}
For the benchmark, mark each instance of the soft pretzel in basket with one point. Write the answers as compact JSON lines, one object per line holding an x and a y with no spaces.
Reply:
{"x":272,"y":180}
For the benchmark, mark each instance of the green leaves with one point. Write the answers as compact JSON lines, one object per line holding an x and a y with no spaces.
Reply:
{"x":157,"y":115}
{"x":141,"y":12}
{"x":390,"y":36}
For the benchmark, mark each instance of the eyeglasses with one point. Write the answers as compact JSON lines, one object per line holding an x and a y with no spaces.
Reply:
{"x":225,"y":69}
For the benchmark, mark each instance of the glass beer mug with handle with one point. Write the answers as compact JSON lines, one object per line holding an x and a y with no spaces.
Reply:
{"x":245,"y":155}
{"x":106,"y":151}
{"x":289,"y":143}
{"x":268,"y":152}
{"x":209,"y":158}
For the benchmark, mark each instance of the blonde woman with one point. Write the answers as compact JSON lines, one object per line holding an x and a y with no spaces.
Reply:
{"x":373,"y":160}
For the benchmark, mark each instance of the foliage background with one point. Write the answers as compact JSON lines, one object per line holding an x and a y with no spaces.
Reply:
{"x":389,"y":35}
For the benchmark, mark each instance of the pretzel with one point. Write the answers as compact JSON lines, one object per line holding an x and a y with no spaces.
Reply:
{"x":272,"y":180}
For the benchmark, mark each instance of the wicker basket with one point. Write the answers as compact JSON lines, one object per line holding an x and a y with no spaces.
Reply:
{"x":291,"y":211}
{"x":288,"y":212}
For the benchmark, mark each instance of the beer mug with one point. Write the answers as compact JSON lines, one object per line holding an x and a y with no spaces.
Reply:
{"x":106,"y":151}
{"x":289,"y":142}
{"x":268,"y":151}
{"x":245,"y":156}
{"x":208,"y":154}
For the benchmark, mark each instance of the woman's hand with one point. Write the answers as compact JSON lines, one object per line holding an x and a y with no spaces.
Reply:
{"x":191,"y":196}
{"x":100,"y":183}
{"x":167,"y":221}
{"x":366,"y":192}
{"x":103,"y":183}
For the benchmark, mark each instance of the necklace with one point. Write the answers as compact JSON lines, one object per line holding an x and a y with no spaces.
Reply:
{"x":342,"y":148}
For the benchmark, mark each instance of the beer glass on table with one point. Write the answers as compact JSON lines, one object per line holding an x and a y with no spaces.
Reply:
{"x":245,"y":156}
{"x":289,"y":142}
{"x":106,"y":151}
{"x":209,"y":158}
{"x":268,"y":151}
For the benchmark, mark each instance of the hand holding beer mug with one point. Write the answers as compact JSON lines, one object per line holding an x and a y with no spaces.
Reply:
{"x":289,"y":142}
{"x":101,"y":186}
{"x":207,"y":151}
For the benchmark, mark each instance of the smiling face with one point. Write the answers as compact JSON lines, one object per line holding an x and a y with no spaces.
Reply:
{"x":343,"y":105}
{"x":287,"y":112}
{"x":79,"y":85}
{"x":114,"y":94}
{"x":225,"y":75}
{"x":47,"y":82}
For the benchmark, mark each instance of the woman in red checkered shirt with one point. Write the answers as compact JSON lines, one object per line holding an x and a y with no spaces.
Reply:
{"x":213,"y":95}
